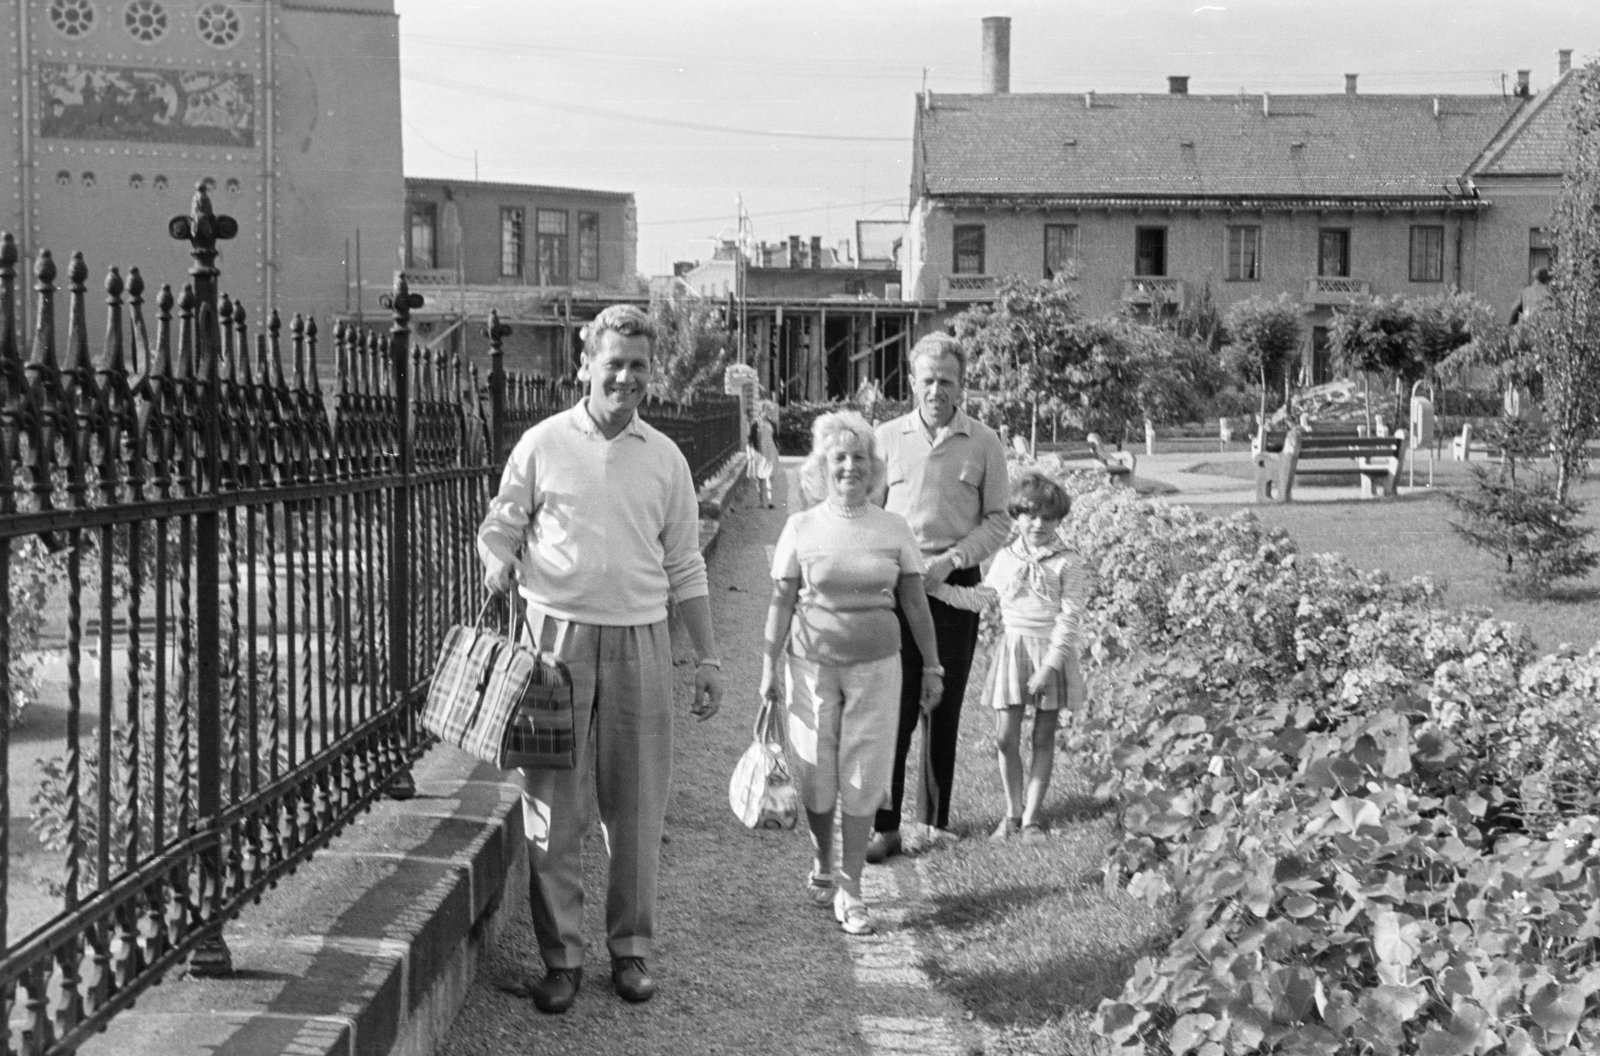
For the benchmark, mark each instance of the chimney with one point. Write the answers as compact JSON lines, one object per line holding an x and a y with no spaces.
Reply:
{"x":1266,"y":104}
{"x":1177,"y":86}
{"x":1563,"y":60}
{"x":1523,"y":88}
{"x":794,"y":251}
{"x":997,"y":55}
{"x":1349,"y":84}
{"x":816,"y":251}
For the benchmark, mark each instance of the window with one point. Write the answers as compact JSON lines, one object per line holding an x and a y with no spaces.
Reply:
{"x":552,"y":247}
{"x":512,"y":226}
{"x":969,"y":249}
{"x":588,"y":246}
{"x":1244,"y":254}
{"x":1541,"y":254}
{"x":419,"y":250}
{"x":1333,"y":252}
{"x":1150,"y":251}
{"x":1427,"y":253}
{"x":1060,"y":249}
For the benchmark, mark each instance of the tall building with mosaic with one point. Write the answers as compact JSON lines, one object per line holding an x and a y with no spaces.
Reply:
{"x":288,"y":111}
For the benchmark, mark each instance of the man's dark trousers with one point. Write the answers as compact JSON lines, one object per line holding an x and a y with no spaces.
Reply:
{"x":956,"y":631}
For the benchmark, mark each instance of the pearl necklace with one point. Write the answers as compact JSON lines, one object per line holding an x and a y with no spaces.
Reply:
{"x":848,"y":511}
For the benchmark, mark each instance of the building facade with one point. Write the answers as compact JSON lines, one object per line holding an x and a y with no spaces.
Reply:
{"x":1147,"y":201}
{"x":119,"y":108}
{"x":547,"y":259}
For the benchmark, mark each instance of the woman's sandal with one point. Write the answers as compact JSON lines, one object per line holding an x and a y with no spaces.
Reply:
{"x":820,"y":888}
{"x":852,"y":915}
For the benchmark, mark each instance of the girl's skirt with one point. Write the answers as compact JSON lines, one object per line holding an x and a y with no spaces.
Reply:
{"x":1015,"y":658}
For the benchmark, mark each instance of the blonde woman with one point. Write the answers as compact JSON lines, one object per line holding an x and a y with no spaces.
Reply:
{"x":838,"y":570}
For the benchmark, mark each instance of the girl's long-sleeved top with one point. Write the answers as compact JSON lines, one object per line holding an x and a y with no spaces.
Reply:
{"x":1041,"y":594}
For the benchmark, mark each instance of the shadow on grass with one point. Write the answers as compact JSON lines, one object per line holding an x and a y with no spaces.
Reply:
{"x":978,"y":909}
{"x":1579,"y":595}
{"x":1030,"y":997}
{"x":1074,"y":808}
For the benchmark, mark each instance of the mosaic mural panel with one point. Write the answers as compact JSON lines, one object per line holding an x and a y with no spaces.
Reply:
{"x":197,"y":107}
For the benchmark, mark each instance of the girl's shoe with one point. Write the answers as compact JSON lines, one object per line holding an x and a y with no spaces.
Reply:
{"x":851,"y":913}
{"x":820,"y":888}
{"x":1033,"y":832}
{"x":1007,"y":829}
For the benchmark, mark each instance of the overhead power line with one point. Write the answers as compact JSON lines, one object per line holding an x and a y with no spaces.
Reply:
{"x":643,"y":119}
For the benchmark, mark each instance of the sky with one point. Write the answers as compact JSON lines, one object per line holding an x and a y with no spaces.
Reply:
{"x":803,"y":111}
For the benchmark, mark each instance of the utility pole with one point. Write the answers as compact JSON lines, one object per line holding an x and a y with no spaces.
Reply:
{"x":741,"y":266}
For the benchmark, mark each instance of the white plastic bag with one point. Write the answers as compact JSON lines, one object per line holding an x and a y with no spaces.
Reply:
{"x":761,"y":791}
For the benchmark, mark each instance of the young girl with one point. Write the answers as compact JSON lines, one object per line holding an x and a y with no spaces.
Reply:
{"x":1041,"y":586}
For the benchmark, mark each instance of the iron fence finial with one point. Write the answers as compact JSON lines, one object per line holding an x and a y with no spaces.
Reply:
{"x":401,"y":301}
{"x":44,"y":334}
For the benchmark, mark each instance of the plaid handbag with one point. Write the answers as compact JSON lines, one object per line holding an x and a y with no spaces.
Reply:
{"x":501,"y":701}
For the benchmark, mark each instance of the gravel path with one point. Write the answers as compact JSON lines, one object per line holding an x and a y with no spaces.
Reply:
{"x":744,"y":962}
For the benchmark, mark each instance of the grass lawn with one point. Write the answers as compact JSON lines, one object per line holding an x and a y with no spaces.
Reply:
{"x":1023,"y":937}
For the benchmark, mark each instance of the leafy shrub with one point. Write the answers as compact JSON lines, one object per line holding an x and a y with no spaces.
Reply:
{"x":1374,"y":821}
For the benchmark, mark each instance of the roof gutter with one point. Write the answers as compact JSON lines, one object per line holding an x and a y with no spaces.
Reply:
{"x":1210,"y":204}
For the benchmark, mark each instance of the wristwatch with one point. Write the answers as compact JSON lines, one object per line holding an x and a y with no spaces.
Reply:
{"x":934,"y":669}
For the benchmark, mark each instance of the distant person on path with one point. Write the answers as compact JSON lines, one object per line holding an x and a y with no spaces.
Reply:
{"x":947,"y":478}
{"x":1041,"y":586}
{"x":1533,"y":297}
{"x":763,"y":453}
{"x":597,"y":523}
{"x":837,"y":571}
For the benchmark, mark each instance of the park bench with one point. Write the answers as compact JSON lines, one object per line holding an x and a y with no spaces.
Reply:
{"x":1464,"y":447}
{"x":1117,"y":464}
{"x":1375,"y":458}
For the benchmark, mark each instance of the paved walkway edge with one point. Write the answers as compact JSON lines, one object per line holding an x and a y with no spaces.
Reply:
{"x":370,"y":948}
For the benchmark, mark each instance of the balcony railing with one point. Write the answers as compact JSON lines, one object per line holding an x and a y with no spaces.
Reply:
{"x":967,"y":287}
{"x":1153,"y":290}
{"x":422,"y":278}
{"x":1333,"y":289}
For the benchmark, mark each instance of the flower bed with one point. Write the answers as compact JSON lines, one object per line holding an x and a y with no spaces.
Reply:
{"x":1373,"y":820}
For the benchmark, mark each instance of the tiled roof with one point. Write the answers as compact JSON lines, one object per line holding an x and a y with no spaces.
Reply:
{"x":1339,"y":146}
{"x":1536,"y":141}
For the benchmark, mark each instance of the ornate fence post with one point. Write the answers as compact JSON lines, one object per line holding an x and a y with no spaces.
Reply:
{"x":496,"y":332}
{"x":402,"y":785}
{"x":202,"y":229}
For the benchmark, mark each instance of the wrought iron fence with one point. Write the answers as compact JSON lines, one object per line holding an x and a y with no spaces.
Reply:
{"x":250,"y":576}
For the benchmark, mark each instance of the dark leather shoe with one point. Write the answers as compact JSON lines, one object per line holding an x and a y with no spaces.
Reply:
{"x":632,"y":981}
{"x":882,"y":845}
{"x":557,"y":990}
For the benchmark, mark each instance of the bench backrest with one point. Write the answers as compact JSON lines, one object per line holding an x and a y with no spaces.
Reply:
{"x":1313,"y":446}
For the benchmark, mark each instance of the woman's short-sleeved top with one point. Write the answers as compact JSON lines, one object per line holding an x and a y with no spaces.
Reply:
{"x":848,"y":569}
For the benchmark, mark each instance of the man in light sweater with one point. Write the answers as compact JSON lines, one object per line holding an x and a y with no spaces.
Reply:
{"x":597,"y":523}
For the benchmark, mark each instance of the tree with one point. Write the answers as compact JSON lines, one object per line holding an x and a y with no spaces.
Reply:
{"x":1031,"y":352}
{"x":1264,"y":335}
{"x":1016,"y":348}
{"x":1565,"y":332}
{"x":1524,"y":520}
{"x":691,"y":347}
